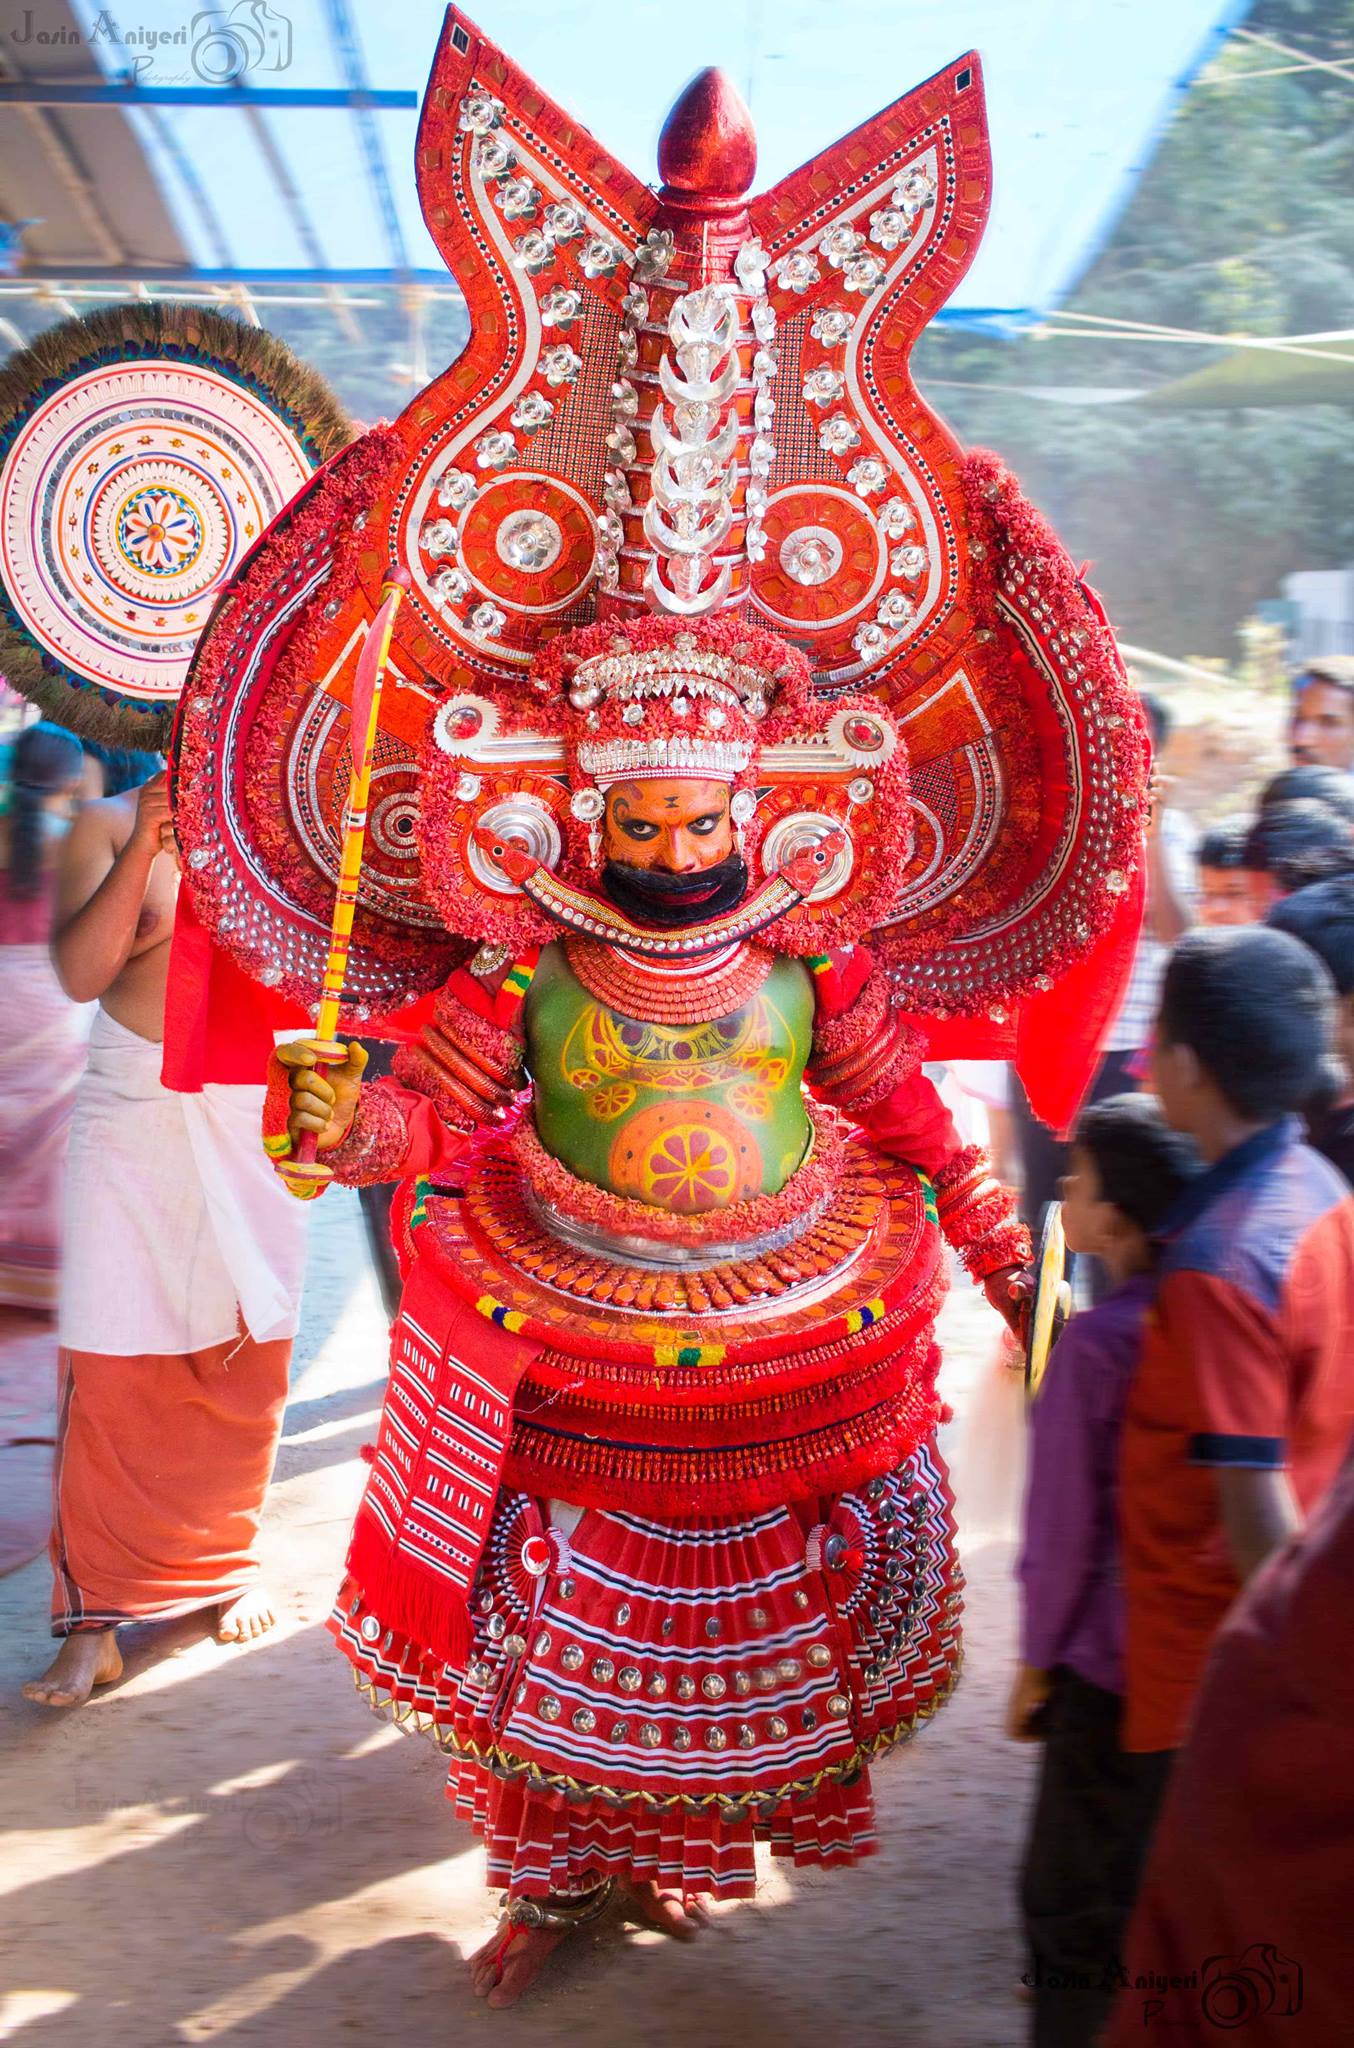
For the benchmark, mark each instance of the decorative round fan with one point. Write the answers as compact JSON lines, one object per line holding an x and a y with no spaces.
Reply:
{"x":143,"y":451}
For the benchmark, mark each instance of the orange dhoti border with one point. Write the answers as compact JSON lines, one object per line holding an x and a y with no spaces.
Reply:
{"x":162,"y":1465}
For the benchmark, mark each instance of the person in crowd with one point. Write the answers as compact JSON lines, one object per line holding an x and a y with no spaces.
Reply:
{"x":1321,"y":728}
{"x":1242,"y":1405}
{"x":1125,"y":1170}
{"x":1170,"y":884}
{"x":1242,"y":1928}
{"x":179,"y":1288}
{"x":1291,"y":845}
{"x":42,"y":1048}
{"x":1323,"y":918}
{"x":1225,"y":889}
{"x":1324,"y":785}
{"x":113,"y":771}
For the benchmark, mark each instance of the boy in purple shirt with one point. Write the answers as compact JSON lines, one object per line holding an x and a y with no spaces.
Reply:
{"x":1125,"y":1170}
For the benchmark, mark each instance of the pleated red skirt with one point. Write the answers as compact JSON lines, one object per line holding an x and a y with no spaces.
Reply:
{"x":648,"y":1699}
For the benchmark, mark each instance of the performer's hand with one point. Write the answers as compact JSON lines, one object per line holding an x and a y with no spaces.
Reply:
{"x":1011,"y":1291}
{"x":323,"y":1099}
{"x":154,"y":819}
{"x":1028,"y":1702}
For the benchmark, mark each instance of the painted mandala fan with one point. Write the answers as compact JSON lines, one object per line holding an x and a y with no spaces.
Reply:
{"x":143,"y":451}
{"x":683,"y":402}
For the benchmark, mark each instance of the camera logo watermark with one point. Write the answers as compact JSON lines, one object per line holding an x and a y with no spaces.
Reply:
{"x":1229,"y":1993}
{"x":240,"y":43}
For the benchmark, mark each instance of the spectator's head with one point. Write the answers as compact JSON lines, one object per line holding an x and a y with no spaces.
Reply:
{"x":1325,"y":785}
{"x":1321,"y":729}
{"x":1124,"y":1170}
{"x":123,"y":769}
{"x":1323,"y":918}
{"x":45,"y":764}
{"x":1293,"y":844}
{"x":1225,"y":886}
{"x":1243,"y":1032}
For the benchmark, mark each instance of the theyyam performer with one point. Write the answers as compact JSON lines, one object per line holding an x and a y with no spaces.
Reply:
{"x":742,"y":743}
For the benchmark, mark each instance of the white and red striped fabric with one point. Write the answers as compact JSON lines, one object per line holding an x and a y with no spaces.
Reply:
{"x":648,"y":1699}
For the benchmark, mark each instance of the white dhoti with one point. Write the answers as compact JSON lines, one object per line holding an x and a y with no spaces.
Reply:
{"x":177,"y":1229}
{"x":180,"y":1291}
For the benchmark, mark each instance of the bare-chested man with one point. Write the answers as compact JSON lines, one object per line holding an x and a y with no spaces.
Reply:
{"x":179,"y":1291}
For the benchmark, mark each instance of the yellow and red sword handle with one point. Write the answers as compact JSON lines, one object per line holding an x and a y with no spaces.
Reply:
{"x":303,"y":1173}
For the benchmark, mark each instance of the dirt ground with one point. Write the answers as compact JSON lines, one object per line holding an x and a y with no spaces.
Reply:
{"x":228,"y":1848}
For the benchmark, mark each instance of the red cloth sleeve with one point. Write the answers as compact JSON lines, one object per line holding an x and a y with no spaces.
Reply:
{"x":1237,"y":1366}
{"x":913,"y":1124}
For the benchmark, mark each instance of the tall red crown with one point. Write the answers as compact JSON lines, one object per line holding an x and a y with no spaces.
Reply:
{"x":688,"y":402}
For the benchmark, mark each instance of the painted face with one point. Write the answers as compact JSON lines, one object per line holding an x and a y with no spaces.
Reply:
{"x":1322,"y":728}
{"x":1225,"y":896}
{"x":679,"y":827}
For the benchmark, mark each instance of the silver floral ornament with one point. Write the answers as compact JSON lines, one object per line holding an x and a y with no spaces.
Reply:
{"x":867,"y":476}
{"x":839,"y":245}
{"x":517,"y":198}
{"x":831,"y":325}
{"x":562,"y":222}
{"x":896,"y":519}
{"x":479,"y":112}
{"x":908,"y":561}
{"x":598,"y":257}
{"x":869,"y":640}
{"x":654,"y":253}
{"x":456,"y":487}
{"x":587,"y":805}
{"x":896,"y":609}
{"x":533,"y":252}
{"x":449,"y":587}
{"x":838,"y":436}
{"x":764,"y":320}
{"x":560,"y":365}
{"x":486,"y":620}
{"x":493,"y":157}
{"x":796,"y":272}
{"x":532,"y":411}
{"x":561,"y":306}
{"x":495,"y":449}
{"x":888,"y":226}
{"x":823,"y":386}
{"x":438,"y":538}
{"x":749,"y":266}
{"x":862,"y":274}
{"x":914,"y":190}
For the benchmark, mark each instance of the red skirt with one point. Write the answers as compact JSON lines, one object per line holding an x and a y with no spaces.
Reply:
{"x":647,"y":1698}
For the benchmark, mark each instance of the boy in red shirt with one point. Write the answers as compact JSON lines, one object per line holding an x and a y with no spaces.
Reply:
{"x":1243,"y":1404}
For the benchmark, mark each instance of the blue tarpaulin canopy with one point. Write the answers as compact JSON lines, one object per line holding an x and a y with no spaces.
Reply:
{"x":1077,"y":98}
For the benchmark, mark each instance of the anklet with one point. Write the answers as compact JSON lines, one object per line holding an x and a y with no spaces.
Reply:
{"x":554,"y":1912}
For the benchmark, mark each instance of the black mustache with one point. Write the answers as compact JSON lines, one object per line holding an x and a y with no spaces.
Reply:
{"x":653,"y":896}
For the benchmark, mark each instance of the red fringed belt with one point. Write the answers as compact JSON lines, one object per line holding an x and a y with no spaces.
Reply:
{"x":806,"y":1382}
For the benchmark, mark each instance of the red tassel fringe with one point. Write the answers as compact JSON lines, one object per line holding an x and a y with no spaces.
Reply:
{"x":423,"y":1609}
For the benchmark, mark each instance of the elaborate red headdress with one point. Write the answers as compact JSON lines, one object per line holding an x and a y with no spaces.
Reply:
{"x":688,"y":417}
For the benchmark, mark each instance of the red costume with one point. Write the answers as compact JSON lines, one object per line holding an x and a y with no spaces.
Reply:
{"x":657,"y":1545}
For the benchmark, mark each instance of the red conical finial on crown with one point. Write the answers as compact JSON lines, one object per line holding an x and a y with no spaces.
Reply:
{"x":707,"y":151}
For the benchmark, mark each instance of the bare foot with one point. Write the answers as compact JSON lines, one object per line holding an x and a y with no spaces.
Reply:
{"x":511,"y":1961}
{"x":87,"y":1658}
{"x":676,"y":1913}
{"x":240,"y":1620}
